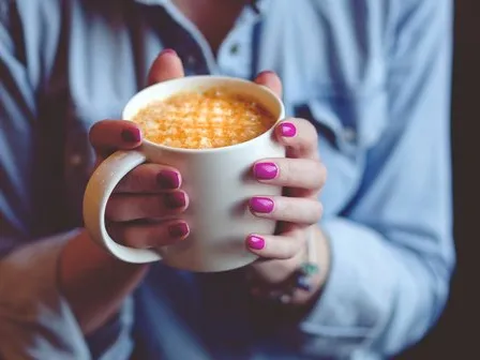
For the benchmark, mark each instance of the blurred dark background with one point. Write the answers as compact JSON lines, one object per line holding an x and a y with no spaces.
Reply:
{"x":455,"y":336}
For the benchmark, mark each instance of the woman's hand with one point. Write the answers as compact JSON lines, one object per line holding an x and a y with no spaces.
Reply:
{"x":150,"y":193}
{"x":298,"y":211}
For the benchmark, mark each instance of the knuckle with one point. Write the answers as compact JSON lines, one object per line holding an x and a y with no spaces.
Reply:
{"x":136,"y":178}
{"x":282,"y":208}
{"x":287,"y":171}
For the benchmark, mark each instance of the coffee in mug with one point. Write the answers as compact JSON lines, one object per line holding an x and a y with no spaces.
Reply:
{"x":204,"y":119}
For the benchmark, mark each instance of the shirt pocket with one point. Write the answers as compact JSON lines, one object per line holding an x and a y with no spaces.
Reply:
{"x":351,"y":121}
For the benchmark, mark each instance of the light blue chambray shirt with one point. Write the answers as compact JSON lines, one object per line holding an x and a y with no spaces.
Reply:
{"x":374,"y":78}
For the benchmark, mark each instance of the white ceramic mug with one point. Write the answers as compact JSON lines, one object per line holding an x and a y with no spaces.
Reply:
{"x":217,"y":181}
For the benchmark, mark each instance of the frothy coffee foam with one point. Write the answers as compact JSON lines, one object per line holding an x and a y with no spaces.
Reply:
{"x":201,"y":120}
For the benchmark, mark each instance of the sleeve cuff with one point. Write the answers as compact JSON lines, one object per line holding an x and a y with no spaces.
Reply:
{"x":352,"y":306}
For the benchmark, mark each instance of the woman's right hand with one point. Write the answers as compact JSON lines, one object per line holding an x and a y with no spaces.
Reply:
{"x":144,"y":209}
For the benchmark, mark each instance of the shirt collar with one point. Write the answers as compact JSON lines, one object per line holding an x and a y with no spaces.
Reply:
{"x":152,"y":2}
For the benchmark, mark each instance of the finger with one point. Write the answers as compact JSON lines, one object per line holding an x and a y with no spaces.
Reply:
{"x":166,"y":66}
{"x":299,"y":136}
{"x":280,"y":208}
{"x":272,"y":272}
{"x":295,"y":173}
{"x":143,"y":236}
{"x":271,"y":81}
{"x":274,"y":247}
{"x":150,"y":178}
{"x":109,"y":135}
{"x":135,"y":207}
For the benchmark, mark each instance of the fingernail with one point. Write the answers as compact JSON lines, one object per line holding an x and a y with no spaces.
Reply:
{"x":168,"y":179}
{"x":265,"y":171}
{"x":169,"y":52}
{"x":261,"y":205}
{"x":287,"y":129}
{"x":178,"y":230}
{"x":255,"y":242}
{"x":267,"y":72}
{"x":175,"y":200}
{"x":131,"y":135}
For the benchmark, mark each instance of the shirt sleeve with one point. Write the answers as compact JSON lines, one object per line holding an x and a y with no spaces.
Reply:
{"x":392,"y":248}
{"x":35,"y":320}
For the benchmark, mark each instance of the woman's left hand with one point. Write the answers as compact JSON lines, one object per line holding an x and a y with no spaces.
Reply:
{"x":298,"y":211}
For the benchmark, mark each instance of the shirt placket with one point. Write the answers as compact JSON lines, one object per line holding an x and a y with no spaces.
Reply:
{"x":235,"y":55}
{"x":190,"y":44}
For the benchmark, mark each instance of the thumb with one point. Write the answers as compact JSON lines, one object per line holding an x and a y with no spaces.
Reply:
{"x":271,"y":81}
{"x":166,"y":66}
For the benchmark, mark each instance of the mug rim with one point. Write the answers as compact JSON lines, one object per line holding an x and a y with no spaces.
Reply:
{"x":237,"y":146}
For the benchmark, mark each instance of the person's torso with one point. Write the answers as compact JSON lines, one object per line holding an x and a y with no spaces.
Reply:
{"x":86,"y":58}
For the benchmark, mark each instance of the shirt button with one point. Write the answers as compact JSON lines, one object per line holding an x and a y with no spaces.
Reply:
{"x":349,"y":134}
{"x":234,"y":49}
{"x":191,"y":61}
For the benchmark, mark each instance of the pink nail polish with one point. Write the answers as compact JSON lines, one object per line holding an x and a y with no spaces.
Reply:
{"x":178,"y":230}
{"x":261,"y":205}
{"x":265,"y":171}
{"x":175,"y":200}
{"x":168,"y":179}
{"x":131,"y":135}
{"x":287,"y":129}
{"x":169,"y":52}
{"x":267,"y":72}
{"x":255,"y":242}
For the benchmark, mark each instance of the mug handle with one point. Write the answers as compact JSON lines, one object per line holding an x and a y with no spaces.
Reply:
{"x":99,"y":188}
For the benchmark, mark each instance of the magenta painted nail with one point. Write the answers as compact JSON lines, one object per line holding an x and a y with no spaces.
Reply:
{"x":265,"y":171}
{"x":261,"y":205}
{"x":168,"y":179}
{"x":131,"y":135}
{"x":255,"y":242}
{"x":267,"y":72}
{"x":287,"y":129}
{"x":178,"y":230}
{"x":175,"y":200}
{"x":169,"y":51}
